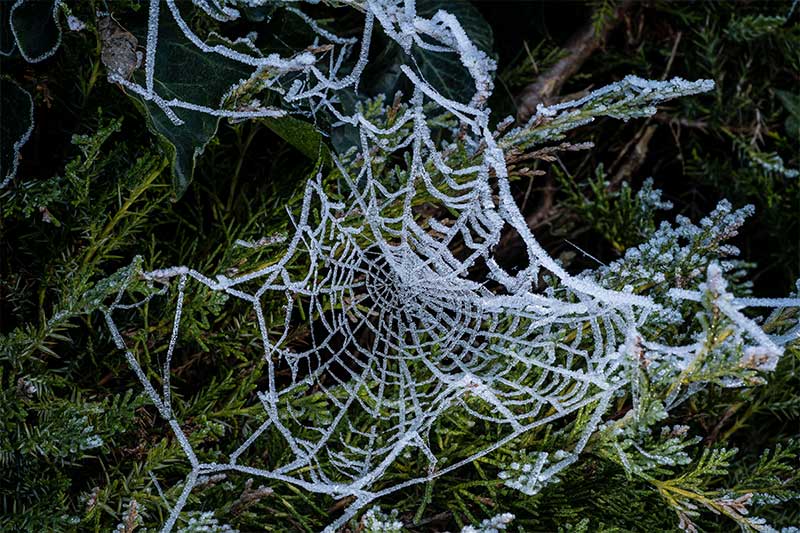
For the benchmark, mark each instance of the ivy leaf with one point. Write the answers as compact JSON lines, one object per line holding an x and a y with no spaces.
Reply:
{"x":16,"y":125}
{"x":259,"y":13}
{"x":7,"y":42}
{"x":442,"y":70}
{"x":300,"y":134}
{"x":186,"y":73}
{"x":36,"y":29}
{"x":445,"y":71}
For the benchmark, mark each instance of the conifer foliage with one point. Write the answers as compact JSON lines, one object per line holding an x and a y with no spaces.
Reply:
{"x":282,"y":273}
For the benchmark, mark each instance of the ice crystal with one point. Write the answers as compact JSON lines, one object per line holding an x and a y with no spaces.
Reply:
{"x":530,"y":476}
{"x":75,"y":24}
{"x":491,"y":525}
{"x":376,"y":521}
{"x":206,"y":522}
{"x":398,"y":330}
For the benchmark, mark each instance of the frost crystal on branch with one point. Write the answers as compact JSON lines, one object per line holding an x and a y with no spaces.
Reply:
{"x":491,"y":525}
{"x":397,"y":327}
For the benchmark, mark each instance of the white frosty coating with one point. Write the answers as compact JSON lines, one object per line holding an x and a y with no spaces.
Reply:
{"x":375,"y":521}
{"x":767,"y":348}
{"x":263,"y":241}
{"x":19,"y":143}
{"x":75,"y":24}
{"x":491,"y":525}
{"x":396,"y":329}
{"x":773,"y":163}
{"x":530,"y":477}
{"x":205,"y":522}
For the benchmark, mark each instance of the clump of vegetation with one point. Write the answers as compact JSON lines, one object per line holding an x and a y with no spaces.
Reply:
{"x":689,"y":204}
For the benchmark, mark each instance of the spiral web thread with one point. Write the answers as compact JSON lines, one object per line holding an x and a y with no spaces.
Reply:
{"x":398,"y":331}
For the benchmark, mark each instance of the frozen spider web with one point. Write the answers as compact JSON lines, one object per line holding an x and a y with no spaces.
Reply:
{"x":398,"y":328}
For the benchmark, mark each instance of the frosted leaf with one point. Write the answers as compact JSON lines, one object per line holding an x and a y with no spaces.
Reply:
{"x":118,"y":48}
{"x":36,"y":28}
{"x":398,"y":332}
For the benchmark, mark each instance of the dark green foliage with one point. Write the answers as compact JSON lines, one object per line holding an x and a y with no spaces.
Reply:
{"x":623,"y":217}
{"x":300,"y":134}
{"x":94,"y":198}
{"x":726,"y":143}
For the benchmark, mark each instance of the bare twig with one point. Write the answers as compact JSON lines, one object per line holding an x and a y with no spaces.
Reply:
{"x":684,"y":122}
{"x":635,"y":158}
{"x":672,"y":55}
{"x":579,"y":48}
{"x":439,"y":517}
{"x":249,"y":497}
{"x":729,"y":412}
{"x":341,"y":504}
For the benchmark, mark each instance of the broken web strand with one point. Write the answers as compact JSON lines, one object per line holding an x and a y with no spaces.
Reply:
{"x":419,"y":266}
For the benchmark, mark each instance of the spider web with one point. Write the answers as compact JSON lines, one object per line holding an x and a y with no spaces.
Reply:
{"x":398,"y":328}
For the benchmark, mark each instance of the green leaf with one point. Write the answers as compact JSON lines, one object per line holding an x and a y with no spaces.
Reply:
{"x":445,"y":71}
{"x":184,"y":72}
{"x":7,"y":42}
{"x":36,"y":29}
{"x":300,"y":134}
{"x":16,"y":125}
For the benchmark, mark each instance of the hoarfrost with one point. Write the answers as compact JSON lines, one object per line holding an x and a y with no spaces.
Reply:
{"x":75,"y":24}
{"x":399,"y":331}
{"x":491,"y":525}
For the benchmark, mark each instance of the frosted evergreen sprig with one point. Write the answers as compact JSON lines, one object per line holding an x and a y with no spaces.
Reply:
{"x":637,"y":444}
{"x":632,"y":97}
{"x":532,"y":472}
{"x":678,"y":256}
{"x":205,"y":522}
{"x":494,"y":524}
{"x":376,"y":521}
